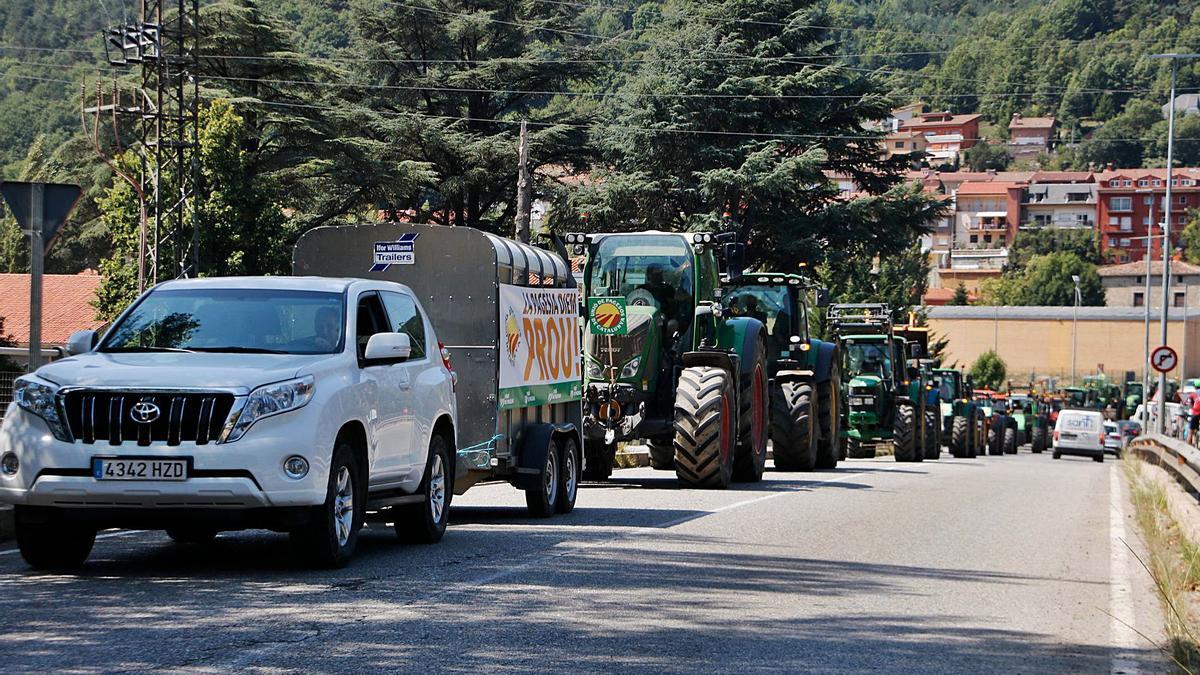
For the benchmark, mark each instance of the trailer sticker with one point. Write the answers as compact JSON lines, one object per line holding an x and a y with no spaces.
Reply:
{"x":539,"y":337}
{"x":403,"y":251}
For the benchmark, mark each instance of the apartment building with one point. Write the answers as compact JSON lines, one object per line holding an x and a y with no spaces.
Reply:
{"x":1060,"y":200}
{"x":1131,"y":205}
{"x":946,"y":135}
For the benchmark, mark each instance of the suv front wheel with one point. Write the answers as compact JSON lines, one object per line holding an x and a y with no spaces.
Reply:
{"x":328,"y":540}
{"x":51,"y":545}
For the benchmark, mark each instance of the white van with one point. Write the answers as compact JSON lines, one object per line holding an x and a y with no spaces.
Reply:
{"x":1079,"y":432}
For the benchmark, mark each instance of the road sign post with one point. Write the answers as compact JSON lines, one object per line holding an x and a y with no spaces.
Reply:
{"x":1164,"y":359}
{"x":40,"y":210}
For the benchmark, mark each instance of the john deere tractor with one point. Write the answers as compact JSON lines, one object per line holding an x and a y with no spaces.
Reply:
{"x":919,"y":383}
{"x":1031,"y":416}
{"x":962,"y":425}
{"x":665,"y":364}
{"x":878,"y":404}
{"x":805,"y":387}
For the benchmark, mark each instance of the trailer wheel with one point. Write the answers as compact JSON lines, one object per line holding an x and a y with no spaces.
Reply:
{"x":1010,"y":441}
{"x":904,"y":434}
{"x":425,"y":523}
{"x":662,"y":457}
{"x":829,"y":421}
{"x":933,"y":442}
{"x":792,"y":427}
{"x":568,"y":488}
{"x":600,"y":458}
{"x":960,"y":437}
{"x":1038,"y":440}
{"x":704,"y":428}
{"x":542,"y":498}
{"x":750,"y":457}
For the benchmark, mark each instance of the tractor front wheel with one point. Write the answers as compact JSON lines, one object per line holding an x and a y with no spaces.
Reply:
{"x":960,"y":437}
{"x":792,"y":436}
{"x":750,"y":458}
{"x":933,"y":443}
{"x":704,"y":428}
{"x":904,"y":434}
{"x":829,"y":421}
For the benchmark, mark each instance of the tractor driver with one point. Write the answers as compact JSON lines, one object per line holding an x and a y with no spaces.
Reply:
{"x":674,"y":301}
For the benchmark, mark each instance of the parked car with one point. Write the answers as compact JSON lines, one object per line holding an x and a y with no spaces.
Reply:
{"x":1113,"y":443}
{"x":291,"y":404}
{"x":1130,"y":429}
{"x":1079,"y":432}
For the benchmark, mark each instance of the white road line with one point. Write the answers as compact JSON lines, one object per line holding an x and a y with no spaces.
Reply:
{"x":246,"y":657}
{"x":1125,"y":640}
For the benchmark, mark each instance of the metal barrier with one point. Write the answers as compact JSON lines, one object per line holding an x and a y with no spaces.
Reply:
{"x":1179,"y":459}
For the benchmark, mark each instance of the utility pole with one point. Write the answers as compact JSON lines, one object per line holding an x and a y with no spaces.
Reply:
{"x":1074,"y":327}
{"x":1166,"y":246}
{"x":524,"y":187}
{"x":164,"y":42}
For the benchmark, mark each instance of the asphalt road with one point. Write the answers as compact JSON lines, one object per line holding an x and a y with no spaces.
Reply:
{"x":1004,"y":564}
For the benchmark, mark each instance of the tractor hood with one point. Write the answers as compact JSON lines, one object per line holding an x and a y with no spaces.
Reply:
{"x":621,"y":350}
{"x":864,"y":383}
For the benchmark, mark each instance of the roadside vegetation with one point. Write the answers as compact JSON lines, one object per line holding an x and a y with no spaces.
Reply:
{"x":1173,"y":562}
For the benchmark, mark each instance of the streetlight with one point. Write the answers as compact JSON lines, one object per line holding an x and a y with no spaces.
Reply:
{"x":1074,"y":326}
{"x":1149,"y":239}
{"x":1166,"y":247}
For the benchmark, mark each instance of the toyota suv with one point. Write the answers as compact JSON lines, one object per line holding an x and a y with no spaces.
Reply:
{"x":220,"y":404}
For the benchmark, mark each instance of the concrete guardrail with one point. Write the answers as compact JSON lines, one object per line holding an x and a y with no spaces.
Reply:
{"x":1179,"y":459}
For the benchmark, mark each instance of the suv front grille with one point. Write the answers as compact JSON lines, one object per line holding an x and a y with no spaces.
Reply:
{"x":103,"y":416}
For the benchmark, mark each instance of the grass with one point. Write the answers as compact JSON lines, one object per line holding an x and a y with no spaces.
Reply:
{"x":1173,"y":564}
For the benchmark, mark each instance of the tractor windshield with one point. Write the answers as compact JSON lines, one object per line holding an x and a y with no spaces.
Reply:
{"x":868,"y":358}
{"x":651,"y":270}
{"x":947,"y":386}
{"x":771,"y":305}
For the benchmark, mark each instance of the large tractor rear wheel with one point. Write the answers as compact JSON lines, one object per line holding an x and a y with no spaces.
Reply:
{"x":1010,"y":441}
{"x":994,"y":441}
{"x":704,"y":428}
{"x":662,"y":457}
{"x":904,"y":434}
{"x":829,"y":420}
{"x":933,"y":441}
{"x":792,"y":427}
{"x":750,"y":458}
{"x":960,"y":437}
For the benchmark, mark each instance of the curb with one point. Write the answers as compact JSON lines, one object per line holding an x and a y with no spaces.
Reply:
{"x":632,"y":456}
{"x":6,"y":523}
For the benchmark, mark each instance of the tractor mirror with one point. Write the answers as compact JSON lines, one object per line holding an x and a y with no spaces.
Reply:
{"x":735,"y":258}
{"x":822,"y":297}
{"x":916,"y":351}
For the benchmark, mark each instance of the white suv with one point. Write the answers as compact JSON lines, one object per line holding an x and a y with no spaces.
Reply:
{"x":218,"y":404}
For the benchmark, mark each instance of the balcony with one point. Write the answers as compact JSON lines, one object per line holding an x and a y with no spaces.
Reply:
{"x":1059,"y":225}
{"x":983,"y":259}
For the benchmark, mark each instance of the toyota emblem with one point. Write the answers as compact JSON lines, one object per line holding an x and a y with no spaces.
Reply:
{"x":144,"y":412}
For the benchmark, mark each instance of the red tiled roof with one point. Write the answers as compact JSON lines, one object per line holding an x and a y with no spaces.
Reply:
{"x":987,"y":187}
{"x":952,"y":120}
{"x":1134,"y":174}
{"x":1137,"y":269}
{"x":985,"y":176}
{"x":1063,"y":177}
{"x":1031,"y":123}
{"x":943,"y":296}
{"x":66,"y":305}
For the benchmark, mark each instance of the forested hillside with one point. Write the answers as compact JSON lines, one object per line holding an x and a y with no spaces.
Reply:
{"x":686,"y":114}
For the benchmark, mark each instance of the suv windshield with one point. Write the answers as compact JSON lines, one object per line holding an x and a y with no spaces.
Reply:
{"x":245,"y":320}
{"x":869,"y":358}
{"x":644,"y":269}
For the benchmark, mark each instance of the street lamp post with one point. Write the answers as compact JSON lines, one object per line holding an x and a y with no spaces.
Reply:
{"x":1074,"y":327}
{"x":1166,"y":245}
{"x":1149,"y":239}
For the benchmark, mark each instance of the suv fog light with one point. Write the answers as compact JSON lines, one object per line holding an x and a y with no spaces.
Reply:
{"x":295,"y":467}
{"x":10,"y":464}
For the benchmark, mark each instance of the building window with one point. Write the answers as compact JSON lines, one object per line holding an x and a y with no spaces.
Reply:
{"x":1120,"y":204}
{"x":1081,"y":217}
{"x":1126,"y":224}
{"x":1141,"y":280}
{"x":1148,"y":200}
{"x":1157,"y":183}
{"x":1124,"y":242}
{"x":1113,"y":220}
{"x":1139,"y":299}
{"x":1179,"y":279}
{"x":1145,"y":220}
{"x":974,"y":239}
{"x":1182,"y":220}
{"x":1143,"y":183}
{"x":1112,"y":241}
{"x":1182,"y":199}
{"x":987,"y":238}
{"x":899,"y":145}
{"x":1178,"y":300}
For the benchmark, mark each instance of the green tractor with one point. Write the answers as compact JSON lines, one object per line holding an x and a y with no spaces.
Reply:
{"x":805,"y":386}
{"x":1032,"y":418}
{"x":1106,"y":395}
{"x":663,"y":362}
{"x":962,"y":425}
{"x":878,"y":403}
{"x":919,"y":383}
{"x":1132,"y":395}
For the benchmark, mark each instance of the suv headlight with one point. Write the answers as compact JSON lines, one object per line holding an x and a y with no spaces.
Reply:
{"x":271,"y":399}
{"x":41,"y":399}
{"x":631,"y":368}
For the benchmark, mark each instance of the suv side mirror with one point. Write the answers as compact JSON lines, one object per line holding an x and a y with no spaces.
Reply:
{"x":735,"y":259}
{"x":388,"y":347}
{"x":82,"y":342}
{"x":822,"y":297}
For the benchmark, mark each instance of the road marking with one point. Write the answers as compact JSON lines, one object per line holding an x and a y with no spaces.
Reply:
{"x":1125,"y":640}
{"x":247,"y":656}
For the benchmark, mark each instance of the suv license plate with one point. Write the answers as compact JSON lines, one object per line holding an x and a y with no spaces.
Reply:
{"x":126,"y":468}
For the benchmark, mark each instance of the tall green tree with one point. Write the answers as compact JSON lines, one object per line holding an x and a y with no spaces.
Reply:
{"x":1046,"y":281}
{"x":725,"y":124}
{"x":989,"y":370}
{"x":961,"y":298}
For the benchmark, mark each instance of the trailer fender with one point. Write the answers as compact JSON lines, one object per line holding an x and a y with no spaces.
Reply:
{"x":531,"y":451}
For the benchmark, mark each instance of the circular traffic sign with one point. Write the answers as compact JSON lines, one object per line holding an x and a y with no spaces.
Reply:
{"x":1164,"y":359}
